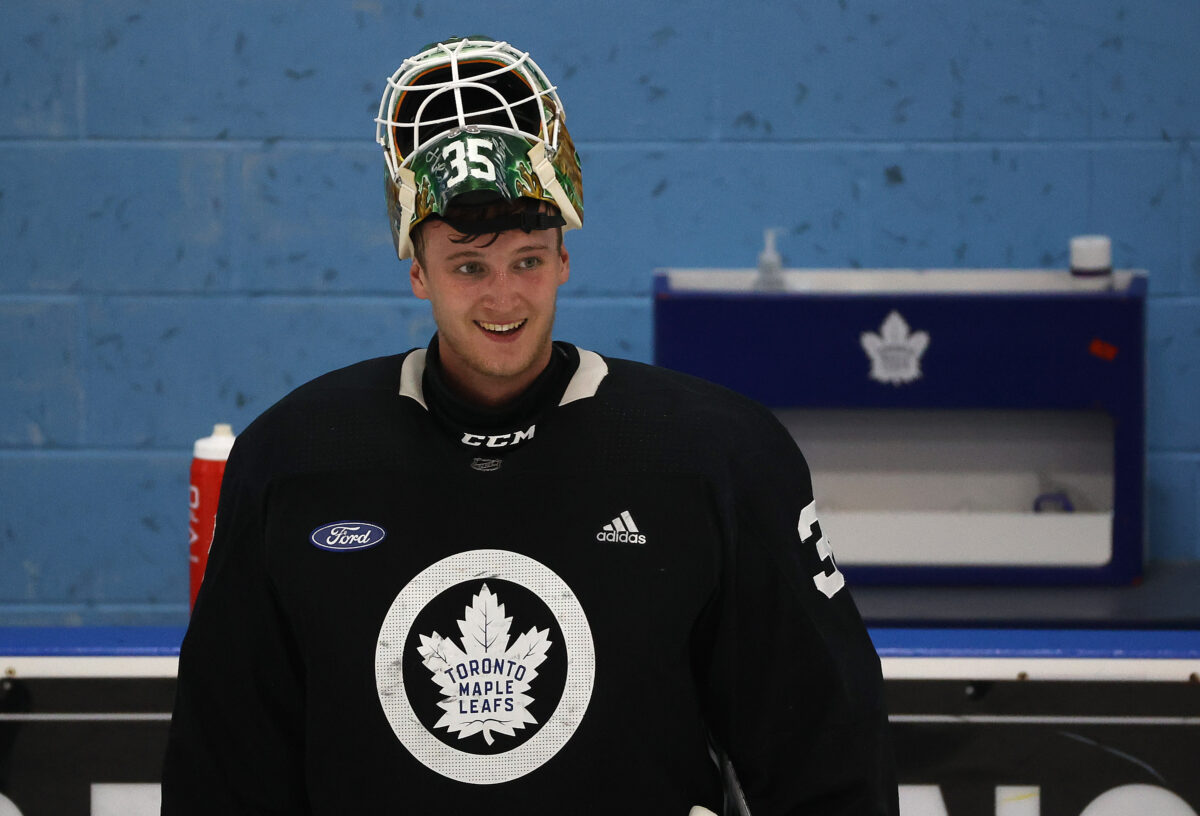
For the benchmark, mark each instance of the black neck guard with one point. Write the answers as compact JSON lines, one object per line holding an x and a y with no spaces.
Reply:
{"x":493,"y":429}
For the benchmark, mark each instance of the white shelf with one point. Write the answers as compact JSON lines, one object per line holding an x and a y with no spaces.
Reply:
{"x":882,"y":281}
{"x":947,"y":539}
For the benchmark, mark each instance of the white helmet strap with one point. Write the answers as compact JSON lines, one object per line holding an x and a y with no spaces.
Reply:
{"x":544,"y":168}
{"x":406,"y":197}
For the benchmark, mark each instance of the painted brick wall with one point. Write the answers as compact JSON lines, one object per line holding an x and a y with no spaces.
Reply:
{"x":191,"y":213}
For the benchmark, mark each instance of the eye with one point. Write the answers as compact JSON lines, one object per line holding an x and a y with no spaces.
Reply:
{"x":532,"y":262}
{"x":470,"y":268}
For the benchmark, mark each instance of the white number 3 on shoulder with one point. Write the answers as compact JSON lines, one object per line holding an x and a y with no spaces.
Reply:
{"x":810,"y":533}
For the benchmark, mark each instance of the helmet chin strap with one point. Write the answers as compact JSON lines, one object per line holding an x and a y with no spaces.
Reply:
{"x":406,"y":197}
{"x":544,"y":168}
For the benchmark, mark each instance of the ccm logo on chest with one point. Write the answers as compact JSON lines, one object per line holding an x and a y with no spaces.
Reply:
{"x":343,"y":536}
{"x":500,"y":440}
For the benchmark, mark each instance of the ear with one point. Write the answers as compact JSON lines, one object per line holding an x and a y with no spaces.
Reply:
{"x":565,"y":273}
{"x":417,"y":279}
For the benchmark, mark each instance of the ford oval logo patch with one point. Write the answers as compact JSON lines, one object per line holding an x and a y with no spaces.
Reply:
{"x":344,"y":536}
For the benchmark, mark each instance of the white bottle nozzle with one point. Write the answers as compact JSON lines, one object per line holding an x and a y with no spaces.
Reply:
{"x":217,"y":446}
{"x":770,"y":264}
{"x":769,"y":255}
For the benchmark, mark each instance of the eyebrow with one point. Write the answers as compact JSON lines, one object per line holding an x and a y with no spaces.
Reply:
{"x":476,"y":253}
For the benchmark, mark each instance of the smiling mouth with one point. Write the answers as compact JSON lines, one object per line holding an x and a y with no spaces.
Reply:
{"x":500,"y":328}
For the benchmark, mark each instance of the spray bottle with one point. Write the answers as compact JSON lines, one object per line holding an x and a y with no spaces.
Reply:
{"x":770,"y":265}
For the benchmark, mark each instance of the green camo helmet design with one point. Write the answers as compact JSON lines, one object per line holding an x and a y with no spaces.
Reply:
{"x":473,"y":160}
{"x":473,"y":115}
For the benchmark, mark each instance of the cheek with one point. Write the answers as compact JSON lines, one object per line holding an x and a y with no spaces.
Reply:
{"x":547,"y":293}
{"x":448,"y":302}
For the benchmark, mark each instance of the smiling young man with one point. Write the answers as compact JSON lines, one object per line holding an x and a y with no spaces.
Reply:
{"x":504,"y":574}
{"x":493,"y":301}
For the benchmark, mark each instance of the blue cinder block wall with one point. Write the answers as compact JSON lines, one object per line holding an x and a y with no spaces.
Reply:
{"x":192,"y":218}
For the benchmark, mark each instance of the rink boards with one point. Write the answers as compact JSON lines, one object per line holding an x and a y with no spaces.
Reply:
{"x":1006,"y":722}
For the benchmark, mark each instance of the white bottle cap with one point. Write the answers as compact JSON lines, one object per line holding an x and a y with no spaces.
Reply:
{"x":1091,"y":255}
{"x":216,"y":447}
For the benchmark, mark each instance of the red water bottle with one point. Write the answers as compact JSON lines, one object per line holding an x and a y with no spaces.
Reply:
{"x":208,"y":466}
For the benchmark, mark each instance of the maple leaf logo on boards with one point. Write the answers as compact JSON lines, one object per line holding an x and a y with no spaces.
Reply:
{"x":486,"y":682}
{"x":895,"y":353}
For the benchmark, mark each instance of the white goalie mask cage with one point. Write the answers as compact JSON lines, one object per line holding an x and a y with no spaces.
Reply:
{"x":482,"y":87}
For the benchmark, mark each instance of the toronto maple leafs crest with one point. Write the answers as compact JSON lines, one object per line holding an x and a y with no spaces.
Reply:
{"x":895,"y":352}
{"x":486,"y":682}
{"x":504,"y":693}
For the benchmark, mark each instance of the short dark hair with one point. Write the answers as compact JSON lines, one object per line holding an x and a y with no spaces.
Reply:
{"x":462,"y":216}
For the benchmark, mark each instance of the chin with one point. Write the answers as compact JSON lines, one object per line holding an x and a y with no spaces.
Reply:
{"x":503,"y":369}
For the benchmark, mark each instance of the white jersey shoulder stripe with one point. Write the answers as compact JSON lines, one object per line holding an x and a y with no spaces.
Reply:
{"x":586,"y":380}
{"x":410,"y":377}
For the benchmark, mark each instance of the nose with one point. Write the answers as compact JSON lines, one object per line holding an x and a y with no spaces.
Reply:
{"x":502,"y":290}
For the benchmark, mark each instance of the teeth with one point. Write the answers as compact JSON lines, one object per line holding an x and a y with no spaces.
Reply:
{"x":502,"y":327}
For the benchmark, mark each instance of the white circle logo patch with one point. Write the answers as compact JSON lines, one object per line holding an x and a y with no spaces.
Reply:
{"x":485,"y":665}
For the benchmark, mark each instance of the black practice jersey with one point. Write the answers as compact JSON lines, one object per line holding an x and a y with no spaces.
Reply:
{"x":416,"y":607}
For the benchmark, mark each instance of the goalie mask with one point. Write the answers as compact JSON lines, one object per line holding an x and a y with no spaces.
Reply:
{"x":475,"y":120}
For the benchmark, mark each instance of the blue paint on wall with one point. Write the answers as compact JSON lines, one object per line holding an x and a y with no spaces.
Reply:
{"x":192,"y":219}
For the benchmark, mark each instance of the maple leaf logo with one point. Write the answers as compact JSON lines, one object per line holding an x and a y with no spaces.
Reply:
{"x":895,"y":353}
{"x":486,"y":682}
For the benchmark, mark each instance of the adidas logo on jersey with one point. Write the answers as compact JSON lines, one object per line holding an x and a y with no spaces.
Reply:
{"x":621,"y":530}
